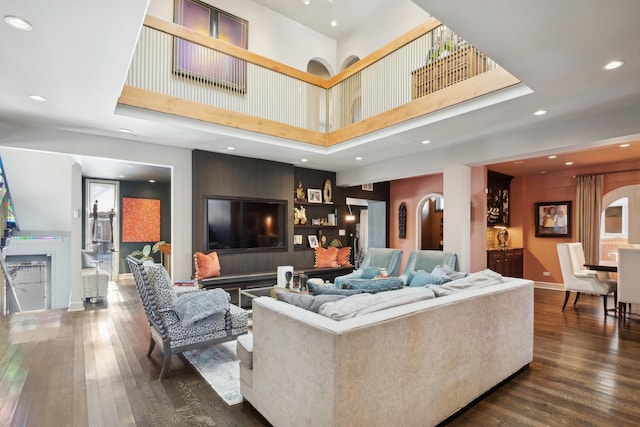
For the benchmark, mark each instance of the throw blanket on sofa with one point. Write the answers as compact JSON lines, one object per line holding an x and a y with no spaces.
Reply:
{"x":360,"y":304}
{"x":196,"y":306}
{"x":474,"y":280}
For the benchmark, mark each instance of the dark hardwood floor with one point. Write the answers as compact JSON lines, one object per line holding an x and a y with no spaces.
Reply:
{"x":89,"y":369}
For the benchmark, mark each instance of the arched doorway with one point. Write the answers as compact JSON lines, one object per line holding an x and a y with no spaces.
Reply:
{"x":619,"y":220}
{"x":429,"y":222}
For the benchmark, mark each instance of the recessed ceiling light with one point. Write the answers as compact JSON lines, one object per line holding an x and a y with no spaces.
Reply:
{"x":540,"y":113}
{"x":130,"y":166}
{"x":518,"y":162}
{"x":624,"y":145}
{"x":568,"y":163}
{"x":152,"y":181}
{"x":426,"y":141}
{"x":306,"y":2}
{"x":358,"y":158}
{"x":543,"y":172}
{"x":304,"y":160}
{"x":230,"y":148}
{"x":120,"y":176}
{"x":553,"y":157}
{"x":18,"y":23}
{"x":613,"y":65}
{"x":124,"y":130}
{"x":38,"y":98}
{"x":334,"y":23}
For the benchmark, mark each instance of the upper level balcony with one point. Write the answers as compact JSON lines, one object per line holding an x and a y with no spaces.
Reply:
{"x":181,"y":72}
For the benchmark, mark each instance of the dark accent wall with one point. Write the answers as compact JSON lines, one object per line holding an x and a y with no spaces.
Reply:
{"x":145,"y":190}
{"x":216,"y":174}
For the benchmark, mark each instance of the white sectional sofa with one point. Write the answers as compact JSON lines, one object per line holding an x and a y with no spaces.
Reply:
{"x":411,"y":365}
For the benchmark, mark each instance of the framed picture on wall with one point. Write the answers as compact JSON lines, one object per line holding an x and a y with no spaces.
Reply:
{"x":553,"y":219}
{"x":313,"y":241}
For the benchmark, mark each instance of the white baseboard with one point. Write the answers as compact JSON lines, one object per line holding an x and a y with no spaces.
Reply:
{"x":125,"y":276}
{"x":549,"y":285}
{"x":76,"y":306}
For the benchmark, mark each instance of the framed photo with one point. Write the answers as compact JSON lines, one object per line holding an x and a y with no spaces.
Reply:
{"x":553,"y":219}
{"x":314,"y":195}
{"x":313,"y":241}
{"x":202,"y":64}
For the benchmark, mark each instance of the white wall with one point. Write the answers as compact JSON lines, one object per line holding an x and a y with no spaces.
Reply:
{"x":385,"y":26}
{"x":270,"y":34}
{"x":34,"y":172}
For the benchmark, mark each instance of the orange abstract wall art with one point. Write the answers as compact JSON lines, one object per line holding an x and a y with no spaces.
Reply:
{"x":140,"y":220}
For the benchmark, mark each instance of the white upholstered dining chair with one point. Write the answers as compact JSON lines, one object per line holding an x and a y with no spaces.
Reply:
{"x":578,"y":278}
{"x":628,"y":278}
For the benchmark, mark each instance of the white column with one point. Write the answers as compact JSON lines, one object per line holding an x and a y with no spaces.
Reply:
{"x":457,"y":213}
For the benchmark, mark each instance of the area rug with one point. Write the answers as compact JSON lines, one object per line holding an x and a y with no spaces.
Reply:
{"x":219,"y":366}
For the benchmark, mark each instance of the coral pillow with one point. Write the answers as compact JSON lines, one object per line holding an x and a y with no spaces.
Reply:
{"x":326,"y":257}
{"x":206,"y":265}
{"x":343,"y":256}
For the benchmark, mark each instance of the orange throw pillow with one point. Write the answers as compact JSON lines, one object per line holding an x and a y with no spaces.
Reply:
{"x":343,"y":256}
{"x":206,"y":265}
{"x":326,"y":257}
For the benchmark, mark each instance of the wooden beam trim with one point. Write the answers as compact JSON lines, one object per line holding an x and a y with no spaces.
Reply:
{"x":229,"y":49}
{"x":466,"y":90}
{"x":389,"y":48}
{"x":154,"y":101}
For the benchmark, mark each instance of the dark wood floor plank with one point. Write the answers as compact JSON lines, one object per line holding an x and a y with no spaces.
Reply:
{"x":90,"y":369}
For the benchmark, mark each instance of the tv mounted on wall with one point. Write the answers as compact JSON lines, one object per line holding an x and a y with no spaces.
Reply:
{"x":234,"y":223}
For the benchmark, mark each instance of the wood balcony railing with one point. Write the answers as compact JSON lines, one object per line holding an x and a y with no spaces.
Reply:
{"x":178,"y":71}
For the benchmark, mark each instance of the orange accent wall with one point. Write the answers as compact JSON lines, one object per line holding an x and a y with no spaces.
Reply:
{"x":411,"y":191}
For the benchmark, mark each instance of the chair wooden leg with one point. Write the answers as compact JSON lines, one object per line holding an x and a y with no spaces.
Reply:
{"x":604,"y":301}
{"x":152,"y":344}
{"x":166,"y":359}
{"x":566,"y":298}
{"x":576,"y":300}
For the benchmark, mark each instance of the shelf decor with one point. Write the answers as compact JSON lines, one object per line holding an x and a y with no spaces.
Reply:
{"x":314,"y":195}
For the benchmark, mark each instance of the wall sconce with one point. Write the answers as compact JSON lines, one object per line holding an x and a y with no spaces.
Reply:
{"x":351,"y":217}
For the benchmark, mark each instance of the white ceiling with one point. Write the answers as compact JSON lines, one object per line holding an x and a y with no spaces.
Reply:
{"x":77,"y":55}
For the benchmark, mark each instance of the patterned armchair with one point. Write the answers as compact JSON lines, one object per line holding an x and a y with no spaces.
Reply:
{"x":378,"y":258}
{"x":160,"y":301}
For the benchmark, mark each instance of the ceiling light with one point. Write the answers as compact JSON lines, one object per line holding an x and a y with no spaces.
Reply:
{"x":124,"y":130}
{"x":17,"y":23}
{"x":553,"y":157}
{"x":358,"y":158}
{"x":543,"y":172}
{"x":152,"y":181}
{"x":304,"y":160}
{"x":613,"y":65}
{"x":306,"y":2}
{"x":230,"y":148}
{"x":568,"y":163}
{"x":334,"y":23}
{"x":518,"y":162}
{"x":38,"y":98}
{"x":120,"y":176}
{"x":426,"y":141}
{"x":540,"y":113}
{"x":624,"y":145}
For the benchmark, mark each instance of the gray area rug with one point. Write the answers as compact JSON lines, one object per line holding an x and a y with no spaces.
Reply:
{"x":219,"y":366}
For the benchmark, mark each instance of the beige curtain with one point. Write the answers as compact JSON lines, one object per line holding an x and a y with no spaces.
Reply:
{"x":589,"y":205}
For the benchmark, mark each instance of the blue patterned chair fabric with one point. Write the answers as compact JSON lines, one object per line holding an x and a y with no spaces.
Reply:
{"x":158,"y":294}
{"x":376,"y":257}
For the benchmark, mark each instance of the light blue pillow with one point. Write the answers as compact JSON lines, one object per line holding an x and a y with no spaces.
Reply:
{"x":422,"y":278}
{"x":441,"y":274}
{"x":370,"y":272}
{"x":321,"y":290}
{"x":375,"y":285}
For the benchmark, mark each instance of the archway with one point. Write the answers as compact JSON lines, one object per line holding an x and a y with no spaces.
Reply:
{"x":619,"y":220}
{"x":429,"y":222}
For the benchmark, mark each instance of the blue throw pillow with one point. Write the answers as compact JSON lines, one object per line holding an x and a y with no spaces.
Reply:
{"x":422,"y":278}
{"x":441,"y":273}
{"x":375,"y":285}
{"x":322,"y":290}
{"x":370,"y":272}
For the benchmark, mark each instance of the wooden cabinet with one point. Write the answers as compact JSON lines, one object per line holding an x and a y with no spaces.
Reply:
{"x":508,"y":262}
{"x":498,"y":194}
{"x":453,"y":68}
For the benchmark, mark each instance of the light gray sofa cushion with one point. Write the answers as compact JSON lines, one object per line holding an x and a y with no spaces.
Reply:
{"x":308,"y":302}
{"x":244,"y":350}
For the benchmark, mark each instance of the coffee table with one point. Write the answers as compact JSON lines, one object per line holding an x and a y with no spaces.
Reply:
{"x":247,"y":295}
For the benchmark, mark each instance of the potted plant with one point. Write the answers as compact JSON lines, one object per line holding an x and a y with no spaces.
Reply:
{"x":146,"y":253}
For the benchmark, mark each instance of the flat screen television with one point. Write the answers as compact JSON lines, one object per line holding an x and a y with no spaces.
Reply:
{"x":245,"y":224}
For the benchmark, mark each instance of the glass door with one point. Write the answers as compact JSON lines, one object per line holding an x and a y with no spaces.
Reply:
{"x":101,"y":222}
